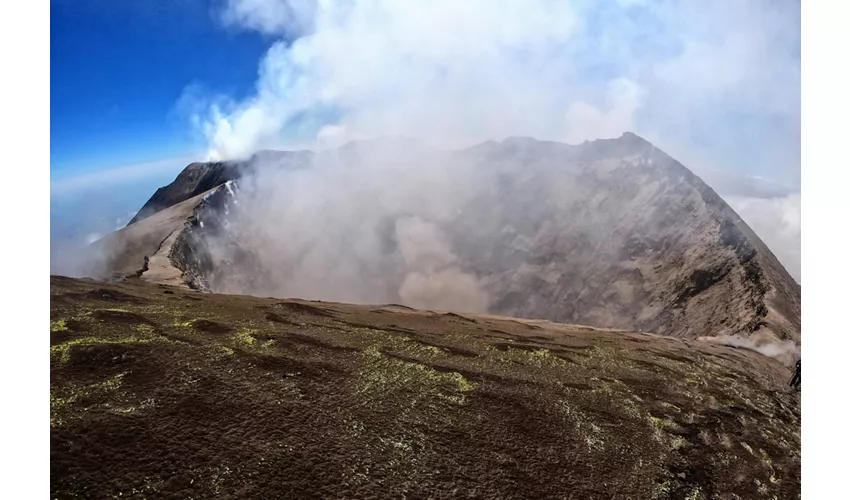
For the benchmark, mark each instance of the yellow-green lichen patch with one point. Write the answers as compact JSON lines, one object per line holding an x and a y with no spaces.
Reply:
{"x":145,"y":329}
{"x":384,"y":375}
{"x":678,"y":442}
{"x":245,"y":337}
{"x":630,"y":408}
{"x":661,"y":428}
{"x":222,"y":351}
{"x":110,"y":384}
{"x":58,"y":326}
{"x":413,"y":396}
{"x":250,"y":339}
{"x":725,"y":459}
{"x":537,"y":358}
{"x":762,"y":487}
{"x":663,"y":489}
{"x":589,"y":431}
{"x":395,"y":343}
{"x":670,"y":406}
{"x":59,"y":401}
{"x":603,"y":356}
{"x":695,"y":494}
{"x":463,"y":385}
{"x":543,"y":357}
{"x":434,"y":350}
{"x":145,"y":404}
{"x":396,"y":452}
{"x":63,"y":399}
{"x":61,"y":353}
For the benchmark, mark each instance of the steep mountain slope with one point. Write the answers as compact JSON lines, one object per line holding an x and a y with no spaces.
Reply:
{"x":622,"y":235}
{"x":611,"y":233}
{"x":161,"y":392}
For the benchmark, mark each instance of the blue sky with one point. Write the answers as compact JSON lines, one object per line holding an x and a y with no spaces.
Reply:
{"x":119,"y":68}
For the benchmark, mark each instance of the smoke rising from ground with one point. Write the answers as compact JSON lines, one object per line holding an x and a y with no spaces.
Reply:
{"x":361,"y":224}
{"x":785,"y":351}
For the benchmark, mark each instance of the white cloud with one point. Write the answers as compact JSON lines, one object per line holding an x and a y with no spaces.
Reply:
{"x":274,"y":17}
{"x":454,"y":73}
{"x":435,"y":71}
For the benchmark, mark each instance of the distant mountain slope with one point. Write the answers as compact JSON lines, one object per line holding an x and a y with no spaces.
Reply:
{"x":611,"y":233}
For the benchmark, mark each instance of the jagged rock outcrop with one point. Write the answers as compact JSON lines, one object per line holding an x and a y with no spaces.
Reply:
{"x":611,"y":233}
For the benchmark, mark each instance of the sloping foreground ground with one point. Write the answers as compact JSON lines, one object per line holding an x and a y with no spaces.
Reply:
{"x":161,"y":392}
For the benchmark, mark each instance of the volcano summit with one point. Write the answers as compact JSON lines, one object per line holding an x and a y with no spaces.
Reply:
{"x":611,"y":233}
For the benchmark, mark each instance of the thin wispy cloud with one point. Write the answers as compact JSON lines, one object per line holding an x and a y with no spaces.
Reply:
{"x":75,"y":185}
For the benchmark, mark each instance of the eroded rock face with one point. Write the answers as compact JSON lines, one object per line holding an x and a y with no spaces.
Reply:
{"x":611,"y":233}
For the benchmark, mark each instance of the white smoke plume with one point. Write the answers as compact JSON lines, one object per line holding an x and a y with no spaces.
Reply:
{"x":434,"y":278}
{"x":696,"y":77}
{"x":786,"y":352}
{"x":711,"y":83}
{"x":362,"y":224}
